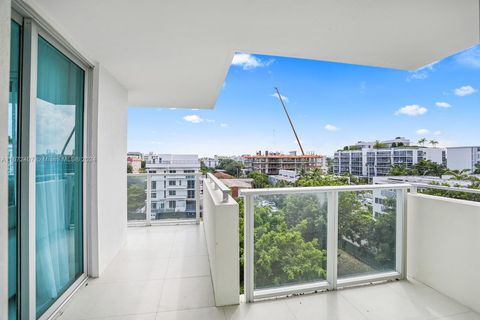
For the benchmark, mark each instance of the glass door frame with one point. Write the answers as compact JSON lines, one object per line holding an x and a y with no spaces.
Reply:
{"x":33,"y":26}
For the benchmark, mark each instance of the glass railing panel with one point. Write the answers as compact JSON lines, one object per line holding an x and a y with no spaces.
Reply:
{"x":290,"y":239}
{"x":367,"y":226}
{"x":137,"y":197}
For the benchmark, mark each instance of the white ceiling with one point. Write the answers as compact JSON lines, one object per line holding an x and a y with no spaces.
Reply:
{"x":176,"y":53}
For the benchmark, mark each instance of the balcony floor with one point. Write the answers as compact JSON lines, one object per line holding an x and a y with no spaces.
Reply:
{"x":163,"y":273}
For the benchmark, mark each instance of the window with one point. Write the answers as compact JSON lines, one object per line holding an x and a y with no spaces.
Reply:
{"x":190,"y":194}
{"x":154,"y":205}
{"x":59,"y":174}
{"x":154,"y":195}
{"x":172,"y":192}
{"x":172,"y":183}
{"x":190,"y":184}
{"x":154,"y":185}
{"x":188,"y":171}
{"x":172,"y":204}
{"x":173,"y":171}
{"x":162,"y":205}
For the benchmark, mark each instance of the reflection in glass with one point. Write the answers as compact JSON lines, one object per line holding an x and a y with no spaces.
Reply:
{"x":13,"y":108}
{"x":290,"y":239}
{"x":59,"y":146}
{"x":137,"y":197}
{"x":366,"y":232}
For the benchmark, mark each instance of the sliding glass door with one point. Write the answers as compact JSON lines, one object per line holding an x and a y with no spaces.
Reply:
{"x":59,"y":174}
{"x":13,"y":111}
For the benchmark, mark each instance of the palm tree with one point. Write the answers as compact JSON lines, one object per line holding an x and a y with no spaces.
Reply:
{"x":458,"y":174}
{"x":433,"y":143}
{"x":422,"y":141}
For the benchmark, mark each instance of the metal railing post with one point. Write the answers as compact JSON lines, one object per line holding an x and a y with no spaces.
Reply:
{"x":197,"y":198}
{"x":332,"y":239}
{"x":148,"y":210}
{"x":249,"y":248}
{"x":401,"y":241}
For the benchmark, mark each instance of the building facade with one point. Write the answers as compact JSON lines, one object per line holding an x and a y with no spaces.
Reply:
{"x":364,"y":160}
{"x":272,"y":163}
{"x":460,"y":158}
{"x":135,"y":160}
{"x":173,"y":185}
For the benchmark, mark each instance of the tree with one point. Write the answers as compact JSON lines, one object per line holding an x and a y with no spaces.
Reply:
{"x":129,"y":168}
{"x":399,"y":170}
{"x":458,"y":174}
{"x":378,"y":145}
{"x":477,"y":168}
{"x":433,"y":143}
{"x":143,"y":167}
{"x":428,"y":168}
{"x":422,"y":141}
{"x":260,"y":180}
{"x":231,"y":167}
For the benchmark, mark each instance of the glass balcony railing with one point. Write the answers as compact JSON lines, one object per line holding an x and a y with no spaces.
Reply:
{"x":306,"y":239}
{"x":163,"y":197}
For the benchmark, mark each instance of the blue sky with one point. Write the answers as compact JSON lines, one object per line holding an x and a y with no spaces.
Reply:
{"x":331,"y":105}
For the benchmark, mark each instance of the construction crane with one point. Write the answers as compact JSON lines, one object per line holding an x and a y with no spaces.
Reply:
{"x":289,"y":120}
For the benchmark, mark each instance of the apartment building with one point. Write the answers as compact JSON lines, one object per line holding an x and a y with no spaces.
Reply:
{"x":460,"y":158}
{"x":364,"y":159}
{"x":209,"y":162}
{"x":173,"y":185}
{"x":284,"y":175}
{"x":135,"y":160}
{"x":271,"y":163}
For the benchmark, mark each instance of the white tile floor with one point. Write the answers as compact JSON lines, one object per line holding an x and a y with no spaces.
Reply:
{"x":163,"y":273}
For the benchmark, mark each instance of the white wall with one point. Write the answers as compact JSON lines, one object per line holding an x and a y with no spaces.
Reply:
{"x":221,"y":232}
{"x":4,"y":89}
{"x":111,"y":148}
{"x":459,"y":158}
{"x":443,"y":246}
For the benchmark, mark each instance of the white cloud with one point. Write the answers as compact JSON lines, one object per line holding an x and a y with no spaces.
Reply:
{"x":331,"y":127}
{"x":193,"y":118}
{"x":443,"y":104}
{"x":172,"y":108}
{"x":422,"y":132}
{"x":422,"y":73}
{"x":284,"y":98}
{"x":210,"y":121}
{"x":249,"y":61}
{"x":469,"y":58}
{"x":437,"y":133}
{"x":465,"y":91}
{"x":223,"y":125}
{"x":411,"y":110}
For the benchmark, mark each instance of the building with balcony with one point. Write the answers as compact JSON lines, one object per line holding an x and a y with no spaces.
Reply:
{"x":67,"y":250}
{"x":135,"y":160}
{"x":364,"y":160}
{"x":173,"y":184}
{"x":271,"y":163}
{"x":463,"y":158}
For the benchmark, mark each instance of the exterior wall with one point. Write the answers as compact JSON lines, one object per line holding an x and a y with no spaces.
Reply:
{"x":463,"y":158}
{"x":271,"y":164}
{"x":4,"y":92}
{"x":443,"y":244}
{"x":111,"y":172}
{"x":221,"y":232}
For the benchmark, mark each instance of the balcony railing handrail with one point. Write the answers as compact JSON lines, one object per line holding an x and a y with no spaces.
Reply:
{"x":164,"y":174}
{"x":219,"y":185}
{"x":445,"y":188}
{"x":294,"y":190}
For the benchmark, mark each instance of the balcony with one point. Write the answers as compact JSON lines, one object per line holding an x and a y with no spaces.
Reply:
{"x":192,"y":271}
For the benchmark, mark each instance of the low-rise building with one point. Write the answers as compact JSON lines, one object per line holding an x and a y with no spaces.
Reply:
{"x":284,"y":175}
{"x":271,"y":163}
{"x":174,"y":185}
{"x":135,"y":160}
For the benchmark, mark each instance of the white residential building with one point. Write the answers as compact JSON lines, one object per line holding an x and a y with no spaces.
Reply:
{"x":209,"y":162}
{"x":364,"y":160}
{"x":284,"y":175}
{"x":460,"y":158}
{"x":174,"y":184}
